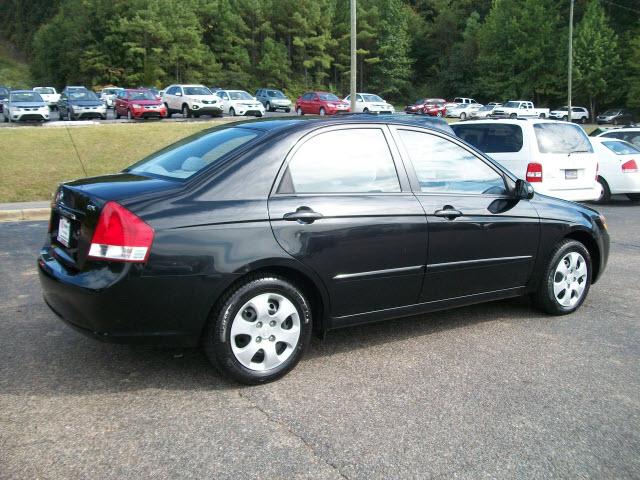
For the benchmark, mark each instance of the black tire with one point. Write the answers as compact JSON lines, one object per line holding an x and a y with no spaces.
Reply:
{"x":217,"y":338}
{"x":4,"y":117}
{"x":299,"y":111}
{"x":69,"y":117}
{"x":258,"y":115}
{"x":583,"y":120}
{"x":232,"y":112}
{"x":565,"y":118}
{"x":544,"y":298}
{"x":322,"y":111}
{"x":542,"y":115}
{"x":634,"y":197}
{"x":287,"y":110}
{"x":366,"y":110}
{"x":513,"y":115}
{"x":129,"y":115}
{"x":615,"y":121}
{"x":116,"y":114}
{"x":168,"y":110}
{"x":61,"y":117}
{"x":268,"y":107}
{"x":463,"y":116}
{"x":606,"y":191}
{"x":186,"y":111}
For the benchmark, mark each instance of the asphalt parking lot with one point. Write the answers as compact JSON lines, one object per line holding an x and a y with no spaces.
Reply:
{"x":176,"y":117}
{"x":496,"y":390}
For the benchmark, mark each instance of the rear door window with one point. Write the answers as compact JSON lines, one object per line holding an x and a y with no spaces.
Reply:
{"x":491,"y":138}
{"x":354,"y":160}
{"x":561,"y":138}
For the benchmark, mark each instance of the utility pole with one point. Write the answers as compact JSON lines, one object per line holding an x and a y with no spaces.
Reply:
{"x":570,"y":72}
{"x":354,"y":57}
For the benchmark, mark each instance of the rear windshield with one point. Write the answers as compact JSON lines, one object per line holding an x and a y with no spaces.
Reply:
{"x":621,"y":148}
{"x":188,"y":157}
{"x":561,"y":138}
{"x":491,"y":137}
{"x":512,"y":105}
{"x":25,"y":97}
{"x":45,"y":90}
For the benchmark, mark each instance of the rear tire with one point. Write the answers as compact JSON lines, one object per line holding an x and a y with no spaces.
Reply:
{"x":299,"y":111}
{"x":322,"y":112}
{"x":259,"y":330}
{"x":566,"y":280}
{"x":116,"y":114}
{"x":565,"y":118}
{"x":268,"y":107}
{"x":605,"y":194}
{"x":232,"y":112}
{"x":168,"y":110}
{"x":542,"y":115}
{"x":584,"y":120}
{"x":463,"y":116}
{"x":129,"y":116}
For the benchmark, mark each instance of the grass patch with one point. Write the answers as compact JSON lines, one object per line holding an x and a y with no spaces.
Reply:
{"x":36,"y":159}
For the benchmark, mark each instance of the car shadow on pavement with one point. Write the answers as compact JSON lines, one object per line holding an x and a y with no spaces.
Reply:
{"x":63,"y":362}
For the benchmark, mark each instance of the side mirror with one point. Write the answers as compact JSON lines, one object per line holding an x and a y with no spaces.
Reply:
{"x":524,"y":190}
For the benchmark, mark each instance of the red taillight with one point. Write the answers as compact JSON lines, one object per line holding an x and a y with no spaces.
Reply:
{"x":534,"y":172}
{"x":120,"y":235}
{"x":630,"y":167}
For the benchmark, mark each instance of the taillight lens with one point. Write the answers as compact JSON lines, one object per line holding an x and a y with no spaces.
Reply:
{"x":534,"y":172}
{"x":630,"y":167}
{"x":120,"y":235}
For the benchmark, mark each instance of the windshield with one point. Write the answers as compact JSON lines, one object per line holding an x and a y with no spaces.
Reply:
{"x":142,"y":95}
{"x":197,"y":91}
{"x":610,"y":113}
{"x":621,"y":148}
{"x":185,"y":158}
{"x":486,"y":108}
{"x":26,"y":97}
{"x":240,"y":96}
{"x":512,"y":104}
{"x":275,"y":93}
{"x":328,"y":96}
{"x":82,"y":95}
{"x":561,"y":138}
{"x":45,"y":90}
{"x":372,"y":98}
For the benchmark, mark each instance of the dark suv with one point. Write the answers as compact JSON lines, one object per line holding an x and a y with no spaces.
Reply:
{"x":248,"y":237}
{"x":616,"y":116}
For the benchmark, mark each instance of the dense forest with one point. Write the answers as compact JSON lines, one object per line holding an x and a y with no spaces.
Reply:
{"x":487,"y":49}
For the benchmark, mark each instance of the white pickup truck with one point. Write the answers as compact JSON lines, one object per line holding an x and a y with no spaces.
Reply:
{"x":519,"y":108}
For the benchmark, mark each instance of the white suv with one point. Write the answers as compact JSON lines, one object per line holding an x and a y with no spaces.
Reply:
{"x":239,"y":102}
{"x":578,"y":114}
{"x":557,"y":158}
{"x":191,"y":100}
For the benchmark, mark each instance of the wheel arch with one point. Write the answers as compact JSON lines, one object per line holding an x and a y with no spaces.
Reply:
{"x":296,"y":273}
{"x":590,"y":243}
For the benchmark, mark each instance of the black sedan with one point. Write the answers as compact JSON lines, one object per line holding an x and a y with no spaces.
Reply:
{"x":247,"y":238}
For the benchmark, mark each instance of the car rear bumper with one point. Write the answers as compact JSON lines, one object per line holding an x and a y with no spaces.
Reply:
{"x":119,"y":305}
{"x":571,"y":194}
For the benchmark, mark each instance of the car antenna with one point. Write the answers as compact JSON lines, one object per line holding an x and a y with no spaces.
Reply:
{"x":76,"y":150}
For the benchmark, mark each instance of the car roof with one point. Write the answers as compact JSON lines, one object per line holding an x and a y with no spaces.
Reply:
{"x":619,"y":129}
{"x":513,"y":121}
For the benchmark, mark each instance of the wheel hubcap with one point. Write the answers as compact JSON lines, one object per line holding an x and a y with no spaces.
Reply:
{"x":265,"y":332}
{"x":570,"y":279}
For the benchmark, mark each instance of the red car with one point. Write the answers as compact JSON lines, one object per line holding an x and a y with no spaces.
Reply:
{"x":434,"y":107}
{"x":138,"y":103}
{"x":321,"y":103}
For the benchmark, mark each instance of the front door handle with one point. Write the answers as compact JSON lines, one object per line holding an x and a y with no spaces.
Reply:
{"x":448,"y":212}
{"x":302,"y":215}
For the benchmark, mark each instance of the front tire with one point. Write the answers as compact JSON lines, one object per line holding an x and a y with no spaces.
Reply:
{"x":129,"y":116}
{"x":566,"y":280}
{"x":166,"y":106}
{"x":512,"y":116}
{"x":259,"y":331}
{"x":186,"y":111}
{"x":232,"y":112}
{"x":322,"y":112}
{"x":268,"y":107}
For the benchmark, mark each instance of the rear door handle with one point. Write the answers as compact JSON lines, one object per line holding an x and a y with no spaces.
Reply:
{"x":302,"y":215}
{"x":448,"y":212}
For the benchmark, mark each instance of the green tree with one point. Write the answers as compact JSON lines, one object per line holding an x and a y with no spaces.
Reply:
{"x":596,"y":58}
{"x":633,"y":73}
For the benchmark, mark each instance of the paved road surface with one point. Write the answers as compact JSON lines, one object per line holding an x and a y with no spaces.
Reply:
{"x":497,"y":390}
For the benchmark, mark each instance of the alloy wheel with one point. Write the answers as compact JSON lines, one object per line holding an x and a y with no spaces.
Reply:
{"x":570,"y":279}
{"x":265,"y":332}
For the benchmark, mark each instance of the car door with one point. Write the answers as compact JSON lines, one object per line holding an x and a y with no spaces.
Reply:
{"x":481,"y":239}
{"x":342,"y":205}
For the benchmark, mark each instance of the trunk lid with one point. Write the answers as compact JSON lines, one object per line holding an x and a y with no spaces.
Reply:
{"x":77,"y":205}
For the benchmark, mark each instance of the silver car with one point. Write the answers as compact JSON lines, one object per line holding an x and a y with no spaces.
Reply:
{"x":273,"y":99}
{"x":25,"y":105}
